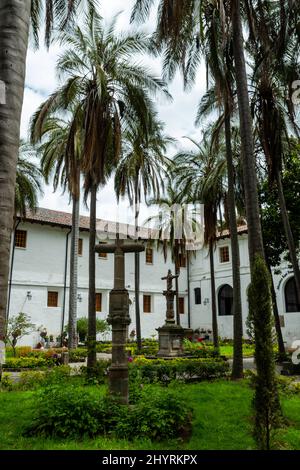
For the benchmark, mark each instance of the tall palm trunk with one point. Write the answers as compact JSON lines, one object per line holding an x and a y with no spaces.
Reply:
{"x":74,"y":274}
{"x":267,"y":405}
{"x":177,"y":272}
{"x":213,"y":295}
{"x":288,"y":232}
{"x":92,"y":357}
{"x":280,"y":342}
{"x":14,"y":30}
{"x":237,"y":367}
{"x":249,"y":173}
{"x":137,"y":270}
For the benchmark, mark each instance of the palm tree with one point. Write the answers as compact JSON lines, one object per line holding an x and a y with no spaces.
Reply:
{"x":28,"y":189}
{"x":60,"y":152}
{"x":15,"y":20}
{"x":28,"y":180}
{"x":140,"y":170}
{"x":217,"y":40}
{"x":173,"y":235}
{"x":103,"y":89}
{"x":200,"y":176}
{"x":273,"y":110}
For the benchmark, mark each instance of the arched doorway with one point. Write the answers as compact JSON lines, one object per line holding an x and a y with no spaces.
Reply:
{"x":290,"y":295}
{"x":225,"y":300}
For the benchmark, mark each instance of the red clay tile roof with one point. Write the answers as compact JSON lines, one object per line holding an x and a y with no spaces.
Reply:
{"x":226,"y":233}
{"x":64,"y":220}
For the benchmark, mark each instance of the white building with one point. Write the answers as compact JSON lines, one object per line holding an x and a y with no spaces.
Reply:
{"x":40,"y":280}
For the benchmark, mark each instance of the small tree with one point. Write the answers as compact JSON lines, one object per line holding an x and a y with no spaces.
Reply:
{"x":82,"y":328}
{"x":266,"y":399}
{"x":18,"y":326}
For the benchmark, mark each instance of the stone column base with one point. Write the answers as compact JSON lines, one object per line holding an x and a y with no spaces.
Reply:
{"x":170,"y":340}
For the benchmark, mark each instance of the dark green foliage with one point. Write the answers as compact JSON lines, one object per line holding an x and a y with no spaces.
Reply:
{"x":158,"y":413}
{"x":82,"y":327}
{"x":97,"y":374}
{"x":163,"y":371}
{"x":273,"y":230}
{"x":266,"y":398}
{"x":79,"y":412}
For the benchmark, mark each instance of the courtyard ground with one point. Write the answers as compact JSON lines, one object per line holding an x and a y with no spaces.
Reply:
{"x":222,"y":421}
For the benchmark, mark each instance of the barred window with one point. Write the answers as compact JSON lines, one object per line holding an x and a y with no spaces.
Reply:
{"x":149,"y":256}
{"x":224,"y":254}
{"x":21,"y":238}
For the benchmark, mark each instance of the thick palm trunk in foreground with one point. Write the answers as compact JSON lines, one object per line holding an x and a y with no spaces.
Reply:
{"x":92,"y":356}
{"x":74,"y":275}
{"x":14,"y":28}
{"x":237,"y":367}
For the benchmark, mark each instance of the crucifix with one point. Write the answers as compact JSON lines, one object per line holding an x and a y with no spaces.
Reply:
{"x":170,"y":294}
{"x":119,"y":317}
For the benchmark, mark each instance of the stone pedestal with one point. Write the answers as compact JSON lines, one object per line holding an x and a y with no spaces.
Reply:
{"x":119,"y":320}
{"x":170,"y":340}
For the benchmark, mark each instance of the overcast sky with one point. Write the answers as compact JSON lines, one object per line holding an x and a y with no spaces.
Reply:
{"x":179,"y":115}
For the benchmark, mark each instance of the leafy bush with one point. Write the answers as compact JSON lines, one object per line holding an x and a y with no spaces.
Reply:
{"x":158,"y":413}
{"x":6,"y":382}
{"x":199,"y":349}
{"x":68,"y":411}
{"x":160,"y":370}
{"x":97,"y":375}
{"x":82,"y":327}
{"x":27,"y":362}
{"x":76,"y":412}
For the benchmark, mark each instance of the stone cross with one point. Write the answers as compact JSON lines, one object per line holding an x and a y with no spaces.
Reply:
{"x":170,"y":294}
{"x":119,"y":317}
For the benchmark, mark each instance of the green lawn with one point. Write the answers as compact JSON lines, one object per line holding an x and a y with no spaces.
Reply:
{"x":227,"y":350}
{"x":222,"y":421}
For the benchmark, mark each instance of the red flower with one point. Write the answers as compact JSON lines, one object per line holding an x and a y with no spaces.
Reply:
{"x":130,"y":359}
{"x":200,"y":340}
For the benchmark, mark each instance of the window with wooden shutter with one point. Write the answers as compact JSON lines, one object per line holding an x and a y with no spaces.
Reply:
{"x":21,"y":238}
{"x":224,"y":254}
{"x":98,"y":302}
{"x":52,"y":299}
{"x":149,"y":256}
{"x":181,"y":305}
{"x":147,"y":303}
{"x":182,"y":260}
{"x":80,"y":246}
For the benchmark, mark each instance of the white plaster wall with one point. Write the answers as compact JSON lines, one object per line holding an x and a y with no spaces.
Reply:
{"x":40,"y":267}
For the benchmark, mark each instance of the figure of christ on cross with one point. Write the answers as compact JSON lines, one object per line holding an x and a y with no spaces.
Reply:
{"x":170,"y":294}
{"x":119,"y":317}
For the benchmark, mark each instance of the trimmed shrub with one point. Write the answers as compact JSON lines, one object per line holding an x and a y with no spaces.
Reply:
{"x":160,"y":370}
{"x":28,"y":362}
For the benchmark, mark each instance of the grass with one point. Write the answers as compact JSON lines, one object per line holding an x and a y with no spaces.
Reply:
{"x":222,"y":421}
{"x":227,"y":350}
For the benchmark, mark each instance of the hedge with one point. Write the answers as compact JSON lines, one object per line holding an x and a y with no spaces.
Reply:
{"x":161,"y":370}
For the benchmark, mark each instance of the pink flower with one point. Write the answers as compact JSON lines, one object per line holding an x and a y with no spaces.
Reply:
{"x":130,"y":359}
